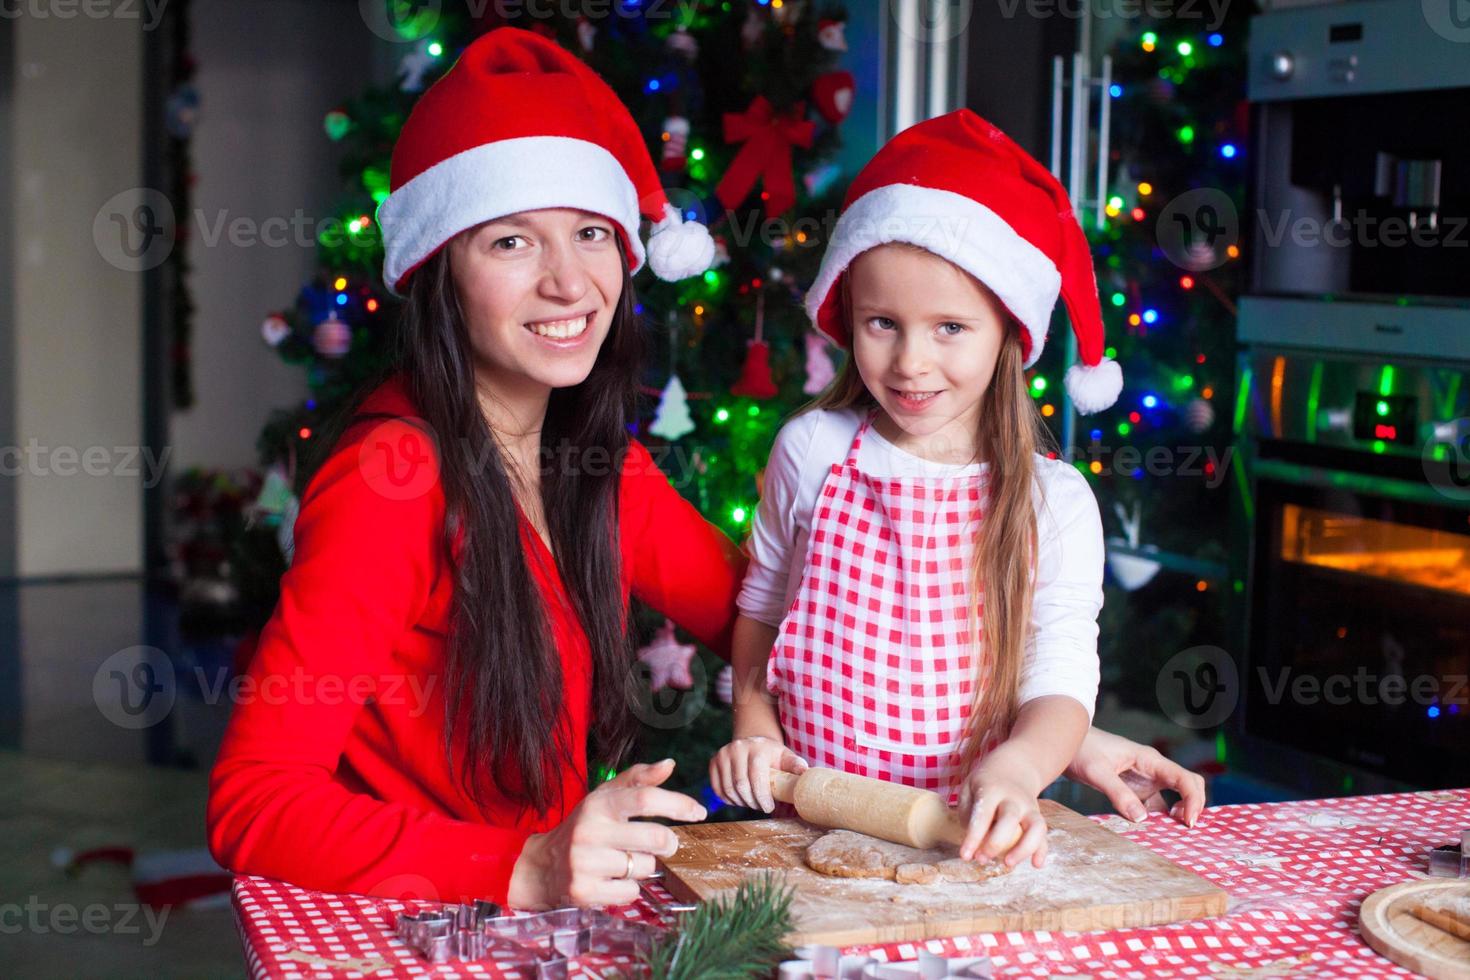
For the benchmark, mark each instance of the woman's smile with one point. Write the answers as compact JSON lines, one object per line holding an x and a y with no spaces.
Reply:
{"x":564,"y":333}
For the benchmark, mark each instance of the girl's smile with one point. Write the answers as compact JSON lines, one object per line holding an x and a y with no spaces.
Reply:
{"x":914,"y":401}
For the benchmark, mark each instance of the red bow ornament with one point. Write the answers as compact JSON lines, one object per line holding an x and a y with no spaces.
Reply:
{"x":766,"y":155}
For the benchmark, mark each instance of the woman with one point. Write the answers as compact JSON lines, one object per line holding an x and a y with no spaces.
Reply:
{"x":451,"y":633}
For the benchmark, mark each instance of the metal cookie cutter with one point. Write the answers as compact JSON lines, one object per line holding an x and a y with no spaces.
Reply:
{"x":465,"y":932}
{"x":1452,"y":860}
{"x":824,"y":963}
{"x":573,"y":932}
{"x":827,"y":963}
{"x":540,"y":944}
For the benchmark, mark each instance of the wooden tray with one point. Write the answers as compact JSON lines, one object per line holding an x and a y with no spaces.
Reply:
{"x":1094,"y":879}
{"x":1388,"y":927}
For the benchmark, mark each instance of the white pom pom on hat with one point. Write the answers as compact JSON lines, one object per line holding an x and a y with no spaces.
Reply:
{"x":518,"y":123}
{"x":678,"y":249}
{"x":957,"y":186}
{"x":1094,"y":388}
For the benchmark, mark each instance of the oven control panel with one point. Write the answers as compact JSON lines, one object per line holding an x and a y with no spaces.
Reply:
{"x":1357,"y":47}
{"x":1398,"y":408}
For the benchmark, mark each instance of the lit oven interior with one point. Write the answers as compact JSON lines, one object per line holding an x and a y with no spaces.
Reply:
{"x":1401,"y":553}
{"x":1361,"y":630}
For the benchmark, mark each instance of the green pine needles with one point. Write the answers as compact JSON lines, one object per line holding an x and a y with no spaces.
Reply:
{"x":738,"y":936}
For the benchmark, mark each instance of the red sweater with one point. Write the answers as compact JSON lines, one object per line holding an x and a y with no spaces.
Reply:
{"x":332,"y":773}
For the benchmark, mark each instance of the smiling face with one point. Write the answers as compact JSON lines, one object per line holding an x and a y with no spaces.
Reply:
{"x":925,"y":338}
{"x":538,"y":290}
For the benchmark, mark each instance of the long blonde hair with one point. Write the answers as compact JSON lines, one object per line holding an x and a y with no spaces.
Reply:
{"x":1003,"y":572}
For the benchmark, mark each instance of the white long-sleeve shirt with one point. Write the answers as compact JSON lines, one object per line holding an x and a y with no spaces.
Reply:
{"x":1061,"y":650}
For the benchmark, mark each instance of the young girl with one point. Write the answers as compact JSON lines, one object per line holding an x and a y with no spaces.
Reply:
{"x":924,"y":586}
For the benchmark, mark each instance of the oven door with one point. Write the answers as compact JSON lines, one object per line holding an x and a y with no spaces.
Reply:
{"x":1360,"y":615}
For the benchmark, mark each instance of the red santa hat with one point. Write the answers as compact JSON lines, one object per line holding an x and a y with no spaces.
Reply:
{"x":516,"y":124}
{"x":960,"y":188}
{"x":160,"y":878}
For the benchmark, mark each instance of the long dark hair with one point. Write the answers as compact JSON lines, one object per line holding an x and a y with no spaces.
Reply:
{"x":503,"y":677}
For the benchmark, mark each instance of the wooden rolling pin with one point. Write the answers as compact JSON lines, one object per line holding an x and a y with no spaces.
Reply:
{"x":901,"y":814}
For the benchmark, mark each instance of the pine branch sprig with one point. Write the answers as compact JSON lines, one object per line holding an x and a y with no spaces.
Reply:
{"x":738,"y":936}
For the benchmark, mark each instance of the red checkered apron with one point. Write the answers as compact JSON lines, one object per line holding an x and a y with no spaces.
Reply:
{"x":873,"y":667}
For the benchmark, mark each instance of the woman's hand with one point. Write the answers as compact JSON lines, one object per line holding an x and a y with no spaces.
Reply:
{"x":1132,"y":777}
{"x":998,"y":801}
{"x":596,"y":855}
{"x":741,"y":771}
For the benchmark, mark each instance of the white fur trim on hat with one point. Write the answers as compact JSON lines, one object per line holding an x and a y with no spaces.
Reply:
{"x":678,"y":249}
{"x":954,"y":227}
{"x":1093,"y":389}
{"x":496,"y":179}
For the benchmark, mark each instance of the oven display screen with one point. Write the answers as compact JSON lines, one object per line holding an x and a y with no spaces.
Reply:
{"x":1385,"y":418}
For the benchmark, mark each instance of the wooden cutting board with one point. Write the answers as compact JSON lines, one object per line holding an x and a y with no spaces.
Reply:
{"x":1389,"y":927}
{"x":1094,"y":879}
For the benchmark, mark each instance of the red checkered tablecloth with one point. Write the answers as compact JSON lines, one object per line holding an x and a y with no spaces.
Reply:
{"x":1296,"y":874}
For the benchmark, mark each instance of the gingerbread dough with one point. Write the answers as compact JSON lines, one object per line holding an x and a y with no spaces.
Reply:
{"x":845,"y":854}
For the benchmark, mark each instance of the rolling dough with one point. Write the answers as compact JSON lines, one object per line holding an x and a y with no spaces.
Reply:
{"x":845,"y":854}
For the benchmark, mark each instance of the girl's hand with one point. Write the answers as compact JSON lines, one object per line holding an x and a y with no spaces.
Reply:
{"x":998,"y":801}
{"x":741,"y":771}
{"x":1132,"y":777}
{"x":596,"y":855}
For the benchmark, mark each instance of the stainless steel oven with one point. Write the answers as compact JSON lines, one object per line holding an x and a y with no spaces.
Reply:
{"x":1352,"y":422}
{"x":1355,"y":504}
